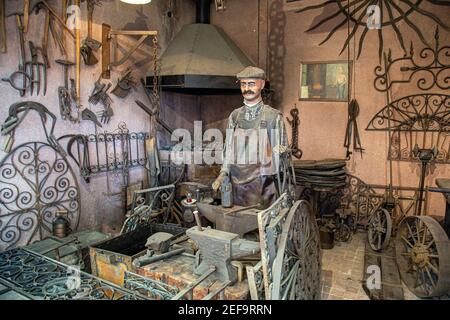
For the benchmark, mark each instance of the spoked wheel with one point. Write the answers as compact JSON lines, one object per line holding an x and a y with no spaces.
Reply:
{"x":423,"y":256}
{"x":380,"y":228}
{"x":297,"y":267}
{"x":343,"y":233}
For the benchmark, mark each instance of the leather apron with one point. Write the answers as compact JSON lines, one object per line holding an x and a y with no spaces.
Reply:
{"x":250,"y":181}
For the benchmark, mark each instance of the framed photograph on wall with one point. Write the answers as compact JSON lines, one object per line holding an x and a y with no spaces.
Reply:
{"x":325,"y":81}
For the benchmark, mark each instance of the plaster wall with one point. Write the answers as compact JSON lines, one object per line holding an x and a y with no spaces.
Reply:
{"x":98,"y":211}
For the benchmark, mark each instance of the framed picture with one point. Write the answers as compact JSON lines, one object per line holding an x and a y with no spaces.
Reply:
{"x":325,"y":81}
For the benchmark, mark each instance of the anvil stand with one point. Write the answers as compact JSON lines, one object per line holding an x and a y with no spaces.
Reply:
{"x":425,"y":156}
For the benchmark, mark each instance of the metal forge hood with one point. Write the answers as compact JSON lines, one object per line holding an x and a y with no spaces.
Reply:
{"x":201,"y":56}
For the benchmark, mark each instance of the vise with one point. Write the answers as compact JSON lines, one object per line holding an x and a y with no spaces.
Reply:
{"x":240,"y":220}
{"x":218,"y":248}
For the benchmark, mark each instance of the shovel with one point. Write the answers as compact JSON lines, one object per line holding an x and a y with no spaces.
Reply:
{"x":90,"y":44}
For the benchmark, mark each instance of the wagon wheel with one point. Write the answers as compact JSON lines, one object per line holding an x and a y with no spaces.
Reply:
{"x":380,"y":227}
{"x":296,"y":269}
{"x":423,"y":256}
{"x":343,"y":233}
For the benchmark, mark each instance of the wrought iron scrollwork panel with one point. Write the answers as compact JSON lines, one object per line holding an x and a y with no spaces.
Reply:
{"x":356,"y":195}
{"x":429,"y":69}
{"x":108,"y":152}
{"x":44,"y":278}
{"x":35,"y":182}
{"x":149,"y":205}
{"x":422,"y":119}
{"x":269,"y":232}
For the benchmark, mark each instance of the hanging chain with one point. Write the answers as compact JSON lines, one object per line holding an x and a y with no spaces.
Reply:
{"x":156,"y":88}
{"x":295,"y":124}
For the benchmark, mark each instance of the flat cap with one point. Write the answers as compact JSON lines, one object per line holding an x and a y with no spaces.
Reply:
{"x":251,"y":73}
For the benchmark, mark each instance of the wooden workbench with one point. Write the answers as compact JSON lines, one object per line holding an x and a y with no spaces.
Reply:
{"x":179,"y":272}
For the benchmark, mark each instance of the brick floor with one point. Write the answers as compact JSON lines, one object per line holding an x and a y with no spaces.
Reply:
{"x":342,"y":271}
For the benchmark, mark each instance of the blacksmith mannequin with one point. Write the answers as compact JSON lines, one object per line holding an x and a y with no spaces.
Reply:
{"x":255,"y":137}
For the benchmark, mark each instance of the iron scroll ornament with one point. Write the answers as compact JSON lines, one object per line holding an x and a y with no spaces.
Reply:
{"x":419,"y":112}
{"x":431,"y":68}
{"x":43,"y":184}
{"x":39,"y":277}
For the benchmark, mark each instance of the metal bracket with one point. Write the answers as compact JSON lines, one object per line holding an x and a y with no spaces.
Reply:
{"x":108,"y":37}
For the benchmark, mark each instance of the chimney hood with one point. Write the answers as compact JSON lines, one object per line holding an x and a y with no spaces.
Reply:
{"x":201,"y":56}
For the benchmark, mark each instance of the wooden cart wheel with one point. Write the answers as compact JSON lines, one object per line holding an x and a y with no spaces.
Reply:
{"x":297,"y":267}
{"x":423,"y":256}
{"x":380,"y":228}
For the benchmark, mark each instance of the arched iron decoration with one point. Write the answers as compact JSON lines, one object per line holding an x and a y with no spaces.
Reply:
{"x":422,"y":119}
{"x":35,"y":182}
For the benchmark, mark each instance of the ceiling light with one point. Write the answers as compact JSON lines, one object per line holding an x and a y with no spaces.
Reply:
{"x":137,"y":1}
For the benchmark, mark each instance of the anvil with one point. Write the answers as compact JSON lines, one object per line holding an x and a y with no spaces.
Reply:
{"x":237,"y":219}
{"x":218,"y":248}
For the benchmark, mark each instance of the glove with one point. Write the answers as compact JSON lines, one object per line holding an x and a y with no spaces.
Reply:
{"x":218,"y":182}
{"x":280,"y":149}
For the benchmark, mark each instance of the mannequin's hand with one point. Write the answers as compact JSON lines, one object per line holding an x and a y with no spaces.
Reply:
{"x":280,"y":149}
{"x":218,"y":182}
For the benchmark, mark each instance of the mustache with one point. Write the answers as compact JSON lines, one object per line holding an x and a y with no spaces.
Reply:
{"x":249,"y":92}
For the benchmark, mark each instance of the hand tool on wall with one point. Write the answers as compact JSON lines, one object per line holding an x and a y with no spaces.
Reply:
{"x":59,"y":40}
{"x":64,"y":94}
{"x":100,"y":95}
{"x":77,"y":60}
{"x":2,"y":27}
{"x":50,"y":17}
{"x":26,"y":15}
{"x":44,"y":42}
{"x":94,"y":98}
{"x":61,"y":22}
{"x":33,"y":69}
{"x":295,"y":123}
{"x":8,"y":131}
{"x":83,"y":161}
{"x":87,"y":114}
{"x":106,"y":101}
{"x":90,"y":44}
{"x":153,"y":113}
{"x":13,"y":120}
{"x":75,"y":98}
{"x":63,"y":18}
{"x":26,"y":82}
{"x":124,"y":85}
{"x":352,"y":132}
